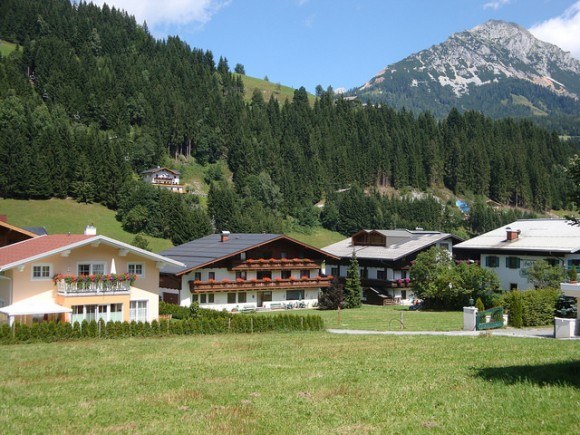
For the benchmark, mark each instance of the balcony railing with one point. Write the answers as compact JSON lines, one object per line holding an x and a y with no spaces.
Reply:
{"x":275,"y":264}
{"x":393,"y":283}
{"x":257,"y":284}
{"x":91,"y":284}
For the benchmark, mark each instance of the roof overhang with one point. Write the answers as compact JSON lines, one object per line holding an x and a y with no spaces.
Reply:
{"x":17,"y":229}
{"x":257,"y":245}
{"x":95,"y":241}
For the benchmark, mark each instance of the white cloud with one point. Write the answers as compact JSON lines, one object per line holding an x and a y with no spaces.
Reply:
{"x":563,"y":31}
{"x":167,"y":12}
{"x":309,"y":21}
{"x":496,"y":4}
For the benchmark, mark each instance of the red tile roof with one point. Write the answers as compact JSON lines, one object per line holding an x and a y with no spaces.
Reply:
{"x":37,"y":246}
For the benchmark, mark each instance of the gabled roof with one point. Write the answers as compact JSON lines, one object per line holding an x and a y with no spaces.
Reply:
{"x":209,"y":249}
{"x":543,"y":235}
{"x":23,"y":231}
{"x":44,"y":246}
{"x":412,"y":241}
{"x":159,"y":169}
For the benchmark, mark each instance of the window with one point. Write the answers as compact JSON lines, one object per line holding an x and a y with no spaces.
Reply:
{"x":512,"y":262}
{"x":285,"y":274}
{"x":305,"y":273}
{"x":91,"y":268}
{"x":553,"y":261}
{"x":116,"y":313}
{"x":90,"y":313}
{"x":283,"y":255}
{"x":138,"y":311}
{"x":41,"y":271}
{"x":194,"y":298}
{"x":492,"y":261}
{"x":210,"y":298}
{"x":136,"y":268}
{"x":266,"y":296}
{"x":211,"y":275}
{"x":197,"y":276}
{"x":242,"y":296}
{"x":203,"y":299}
{"x":261,"y":274}
{"x":241,"y":274}
{"x":363,"y":272}
{"x":243,"y":256}
{"x":334,"y":271}
{"x":231,"y":298}
{"x":294,"y":295}
{"x":382,"y":275}
{"x":444,"y":246}
{"x":513,"y":286}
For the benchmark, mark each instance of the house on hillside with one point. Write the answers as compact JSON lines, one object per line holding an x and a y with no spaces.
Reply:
{"x":10,"y":234}
{"x":245,"y":272}
{"x":511,"y":250}
{"x":76,"y":277}
{"x":384,"y":258}
{"x":163,"y":178}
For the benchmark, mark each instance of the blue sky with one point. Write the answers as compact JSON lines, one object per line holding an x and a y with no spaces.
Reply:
{"x":341,"y":43}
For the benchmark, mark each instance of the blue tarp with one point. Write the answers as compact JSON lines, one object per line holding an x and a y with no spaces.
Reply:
{"x":463,"y":206}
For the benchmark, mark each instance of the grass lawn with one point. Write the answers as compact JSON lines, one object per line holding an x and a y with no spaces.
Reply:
{"x":292,"y":383}
{"x":67,"y":215}
{"x":6,"y":47}
{"x":280,"y":92}
{"x":318,"y":237}
{"x":376,"y":318}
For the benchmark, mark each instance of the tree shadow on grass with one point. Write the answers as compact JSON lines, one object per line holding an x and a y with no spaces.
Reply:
{"x":565,"y":373}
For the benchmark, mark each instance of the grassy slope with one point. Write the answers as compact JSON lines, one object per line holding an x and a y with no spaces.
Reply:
{"x":318,"y":237}
{"x":280,"y":92}
{"x":6,"y":47}
{"x":65,"y":215}
{"x":292,"y":383}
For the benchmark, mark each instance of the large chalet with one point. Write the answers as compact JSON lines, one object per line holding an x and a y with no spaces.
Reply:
{"x":240,"y":272}
{"x":384,"y":258}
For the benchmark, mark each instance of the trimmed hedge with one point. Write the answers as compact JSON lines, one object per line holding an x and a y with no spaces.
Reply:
{"x":217,"y":323}
{"x":537,"y":305}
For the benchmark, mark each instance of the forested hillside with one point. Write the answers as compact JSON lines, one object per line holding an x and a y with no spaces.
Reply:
{"x":91,"y":99}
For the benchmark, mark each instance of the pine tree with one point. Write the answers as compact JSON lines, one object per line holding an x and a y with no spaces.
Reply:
{"x":352,"y":287}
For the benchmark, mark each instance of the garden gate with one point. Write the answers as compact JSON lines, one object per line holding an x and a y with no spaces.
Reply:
{"x":489,"y":319}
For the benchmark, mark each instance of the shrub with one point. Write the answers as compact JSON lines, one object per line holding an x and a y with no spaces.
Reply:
{"x":535,"y":307}
{"x":479,"y":305}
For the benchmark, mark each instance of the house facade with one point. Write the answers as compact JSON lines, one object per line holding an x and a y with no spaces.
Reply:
{"x":76,"y":277}
{"x":511,"y":250}
{"x":239,"y":272}
{"x":384,"y":258}
{"x":164,"y":178}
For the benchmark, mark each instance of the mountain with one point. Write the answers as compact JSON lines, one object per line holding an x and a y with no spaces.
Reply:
{"x":498,"y":68}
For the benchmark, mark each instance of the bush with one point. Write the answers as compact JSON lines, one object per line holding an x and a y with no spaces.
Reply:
{"x":479,"y":305}
{"x":535,"y":307}
{"x":206,"y":322}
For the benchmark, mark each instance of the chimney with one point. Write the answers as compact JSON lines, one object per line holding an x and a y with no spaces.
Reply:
{"x":225,"y":236}
{"x":90,"y":230}
{"x":3,"y":218}
{"x":512,"y":234}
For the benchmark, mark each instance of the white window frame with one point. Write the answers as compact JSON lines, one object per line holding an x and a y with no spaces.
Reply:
{"x":134,"y":311}
{"x":91,"y":263}
{"x":134,"y":264}
{"x":41,"y":278}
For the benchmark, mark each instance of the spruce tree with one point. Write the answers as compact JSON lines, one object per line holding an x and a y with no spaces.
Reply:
{"x":352,"y":287}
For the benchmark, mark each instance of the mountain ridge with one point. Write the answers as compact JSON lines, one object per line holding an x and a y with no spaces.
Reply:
{"x":488,"y":58}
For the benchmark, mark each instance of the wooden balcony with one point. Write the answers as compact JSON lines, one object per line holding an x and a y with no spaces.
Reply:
{"x":389,"y":283}
{"x":257,"y":284}
{"x":275,"y":264}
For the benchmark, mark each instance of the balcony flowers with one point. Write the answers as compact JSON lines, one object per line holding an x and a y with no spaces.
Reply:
{"x":278,"y":279}
{"x":293,"y":279}
{"x":85,"y":279}
{"x":407,"y":281}
{"x":226,"y":281}
{"x":240,"y":280}
{"x":266,"y":279}
{"x":304,"y":277}
{"x":399,"y":282}
{"x":211,"y":281}
{"x":285,"y":260}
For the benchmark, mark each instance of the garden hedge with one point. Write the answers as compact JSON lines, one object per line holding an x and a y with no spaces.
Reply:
{"x":206,"y":324}
{"x":537,"y":306}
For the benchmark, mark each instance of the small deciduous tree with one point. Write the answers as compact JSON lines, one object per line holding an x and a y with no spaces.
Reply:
{"x":542,"y":275}
{"x":332,"y":297}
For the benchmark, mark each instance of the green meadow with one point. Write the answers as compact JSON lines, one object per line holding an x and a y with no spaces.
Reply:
{"x":308,"y":383}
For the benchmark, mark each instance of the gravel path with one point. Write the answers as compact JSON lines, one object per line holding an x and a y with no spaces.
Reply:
{"x":505,"y":332}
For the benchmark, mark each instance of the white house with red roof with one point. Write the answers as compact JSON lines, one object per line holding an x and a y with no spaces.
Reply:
{"x":164,"y":178}
{"x":76,"y":277}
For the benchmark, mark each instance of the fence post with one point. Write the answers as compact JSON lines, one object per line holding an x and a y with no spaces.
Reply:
{"x":469,"y":318}
{"x":252,"y":324}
